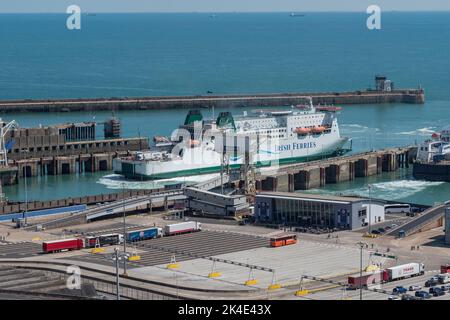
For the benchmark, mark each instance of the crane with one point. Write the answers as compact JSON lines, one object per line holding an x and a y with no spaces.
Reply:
{"x":4,"y":129}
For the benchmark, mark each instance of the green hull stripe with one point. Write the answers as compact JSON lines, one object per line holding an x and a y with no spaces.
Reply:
{"x":198,"y":171}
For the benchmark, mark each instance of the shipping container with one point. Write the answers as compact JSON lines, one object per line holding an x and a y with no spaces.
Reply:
{"x":61,"y":245}
{"x":144,"y":234}
{"x":405,"y":271}
{"x":110,"y":239}
{"x":183,"y":227}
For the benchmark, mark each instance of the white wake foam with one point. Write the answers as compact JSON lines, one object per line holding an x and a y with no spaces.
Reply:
{"x":419,"y":132}
{"x":390,"y":190}
{"x":117,"y":181}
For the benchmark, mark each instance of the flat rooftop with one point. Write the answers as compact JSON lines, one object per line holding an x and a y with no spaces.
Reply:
{"x":307,"y":196}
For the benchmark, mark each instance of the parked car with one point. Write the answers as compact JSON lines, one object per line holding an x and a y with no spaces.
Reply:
{"x":388,"y":228}
{"x":399,"y":290}
{"x":430,"y":283}
{"x":415,"y":288}
{"x":381,"y":230}
{"x":409,"y":297}
{"x":375,"y":232}
{"x":393,"y":297}
{"x":394,"y":225}
{"x":438,"y":292}
{"x":445,"y":288}
{"x":422,"y":294}
{"x":435,"y":278}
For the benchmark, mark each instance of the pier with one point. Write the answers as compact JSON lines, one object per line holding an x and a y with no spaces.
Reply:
{"x":411,"y":96}
{"x":317,"y":174}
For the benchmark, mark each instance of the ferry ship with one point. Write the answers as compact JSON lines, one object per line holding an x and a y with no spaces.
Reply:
{"x":435,"y":149}
{"x":433,"y":158}
{"x":273,"y":137}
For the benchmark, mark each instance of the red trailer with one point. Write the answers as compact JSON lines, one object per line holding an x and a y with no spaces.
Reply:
{"x":366,"y":279}
{"x":62,"y":244}
{"x":445,"y":268}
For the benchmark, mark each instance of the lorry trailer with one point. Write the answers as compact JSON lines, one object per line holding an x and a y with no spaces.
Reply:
{"x":62,"y":245}
{"x":144,"y":234}
{"x":386,"y":275}
{"x":404,"y":271}
{"x":103,"y":240}
{"x":183,"y":227}
{"x":366,"y":280}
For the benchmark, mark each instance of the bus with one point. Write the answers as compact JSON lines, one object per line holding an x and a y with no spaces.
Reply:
{"x":283,"y":240}
{"x":397,"y":208}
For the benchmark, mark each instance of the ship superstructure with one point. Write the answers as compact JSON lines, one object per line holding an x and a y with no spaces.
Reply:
{"x":435,"y":149}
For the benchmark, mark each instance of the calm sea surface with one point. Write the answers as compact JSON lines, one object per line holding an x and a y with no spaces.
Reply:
{"x":188,"y":54}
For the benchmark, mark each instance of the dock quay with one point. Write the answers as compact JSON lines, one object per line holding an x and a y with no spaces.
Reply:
{"x":11,"y":208}
{"x":410,"y":96}
{"x":61,"y":149}
{"x":318,"y":173}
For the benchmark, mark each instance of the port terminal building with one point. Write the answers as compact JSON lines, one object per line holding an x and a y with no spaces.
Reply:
{"x":317,"y":211}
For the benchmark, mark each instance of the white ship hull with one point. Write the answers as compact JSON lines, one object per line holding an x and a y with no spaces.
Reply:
{"x":201,"y":161}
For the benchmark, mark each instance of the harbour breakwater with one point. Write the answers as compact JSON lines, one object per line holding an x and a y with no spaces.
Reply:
{"x":410,"y":96}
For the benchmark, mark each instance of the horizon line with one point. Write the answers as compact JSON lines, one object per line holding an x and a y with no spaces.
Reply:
{"x":226,"y":12}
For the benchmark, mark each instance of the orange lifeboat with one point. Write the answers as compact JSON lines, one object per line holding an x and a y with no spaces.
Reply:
{"x":302,"y":130}
{"x":194,"y":143}
{"x":319,"y":129}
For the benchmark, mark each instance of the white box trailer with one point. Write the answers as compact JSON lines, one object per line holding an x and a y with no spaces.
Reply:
{"x":405,"y":271}
{"x":182,"y":227}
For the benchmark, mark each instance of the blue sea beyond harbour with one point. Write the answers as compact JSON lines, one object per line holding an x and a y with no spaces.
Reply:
{"x":126,"y":55}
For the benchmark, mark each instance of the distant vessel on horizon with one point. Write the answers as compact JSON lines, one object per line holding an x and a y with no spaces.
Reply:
{"x":293,"y":14}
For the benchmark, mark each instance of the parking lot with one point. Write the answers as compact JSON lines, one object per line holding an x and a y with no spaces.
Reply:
{"x":19,"y":250}
{"x":184,"y":247}
{"x":289,"y":263}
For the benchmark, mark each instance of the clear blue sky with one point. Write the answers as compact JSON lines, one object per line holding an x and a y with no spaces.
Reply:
{"x":219,"y":5}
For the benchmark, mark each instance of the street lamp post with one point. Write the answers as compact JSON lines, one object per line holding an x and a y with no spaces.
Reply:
{"x":116,"y":252}
{"x":361,"y":245}
{"x":26,"y":198}
{"x":124,"y":231}
{"x":370,"y":208}
{"x":116,"y":257}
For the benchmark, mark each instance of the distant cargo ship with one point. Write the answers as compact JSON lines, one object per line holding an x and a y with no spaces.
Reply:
{"x":278,"y":137}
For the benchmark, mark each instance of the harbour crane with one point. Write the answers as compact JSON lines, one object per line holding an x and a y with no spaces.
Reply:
{"x":4,"y":129}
